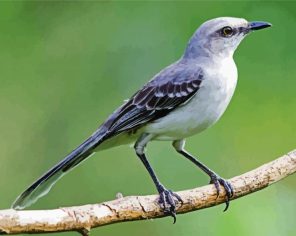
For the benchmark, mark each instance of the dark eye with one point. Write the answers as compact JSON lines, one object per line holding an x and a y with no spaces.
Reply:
{"x":227,"y":31}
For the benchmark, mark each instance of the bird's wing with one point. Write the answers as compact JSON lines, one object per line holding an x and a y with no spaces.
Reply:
{"x":169,"y":89}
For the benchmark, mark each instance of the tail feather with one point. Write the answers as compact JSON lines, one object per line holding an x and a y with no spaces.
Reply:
{"x":43,"y":185}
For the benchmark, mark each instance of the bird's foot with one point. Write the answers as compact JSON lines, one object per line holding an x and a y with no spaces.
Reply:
{"x":217,"y":181}
{"x":168,"y":200}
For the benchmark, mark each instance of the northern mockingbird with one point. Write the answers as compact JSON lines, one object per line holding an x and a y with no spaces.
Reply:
{"x":183,"y":99}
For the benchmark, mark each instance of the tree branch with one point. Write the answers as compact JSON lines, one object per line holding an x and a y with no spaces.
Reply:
{"x":83,"y":218}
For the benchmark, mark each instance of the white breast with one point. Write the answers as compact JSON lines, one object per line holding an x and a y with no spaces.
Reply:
{"x":204,"y":109}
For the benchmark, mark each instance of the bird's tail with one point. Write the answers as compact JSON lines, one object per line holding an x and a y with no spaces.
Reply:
{"x":42,"y":186}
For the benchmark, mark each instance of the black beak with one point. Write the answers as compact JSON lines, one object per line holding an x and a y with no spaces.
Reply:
{"x":257,"y":25}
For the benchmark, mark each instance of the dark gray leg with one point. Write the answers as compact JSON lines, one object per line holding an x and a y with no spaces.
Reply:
{"x":166,"y":197}
{"x":215,"y":178}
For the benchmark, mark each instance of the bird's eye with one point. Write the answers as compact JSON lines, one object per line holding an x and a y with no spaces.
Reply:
{"x":227,"y":31}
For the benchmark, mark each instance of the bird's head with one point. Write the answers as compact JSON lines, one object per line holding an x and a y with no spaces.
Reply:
{"x":221,"y":36}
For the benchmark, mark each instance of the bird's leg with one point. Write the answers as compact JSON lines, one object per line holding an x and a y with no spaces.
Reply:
{"x":167,"y":198}
{"x":215,"y":178}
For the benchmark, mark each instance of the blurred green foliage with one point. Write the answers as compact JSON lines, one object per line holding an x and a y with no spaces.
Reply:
{"x":65,"y":66}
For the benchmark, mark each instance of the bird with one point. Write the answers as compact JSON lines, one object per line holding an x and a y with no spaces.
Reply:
{"x":183,"y":99}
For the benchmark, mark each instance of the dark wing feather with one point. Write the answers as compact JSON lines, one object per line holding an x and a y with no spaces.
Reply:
{"x":169,"y":89}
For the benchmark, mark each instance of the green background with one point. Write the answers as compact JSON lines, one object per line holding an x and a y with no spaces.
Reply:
{"x":65,"y":66}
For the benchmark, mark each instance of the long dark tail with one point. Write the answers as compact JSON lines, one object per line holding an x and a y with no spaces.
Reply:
{"x":42,"y":186}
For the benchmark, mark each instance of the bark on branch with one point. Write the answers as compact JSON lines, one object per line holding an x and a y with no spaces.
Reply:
{"x":83,"y":218}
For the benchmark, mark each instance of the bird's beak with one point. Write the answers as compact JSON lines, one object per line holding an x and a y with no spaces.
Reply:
{"x":257,"y":25}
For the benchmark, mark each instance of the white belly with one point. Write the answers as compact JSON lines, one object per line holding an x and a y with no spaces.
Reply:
{"x":203,"y":110}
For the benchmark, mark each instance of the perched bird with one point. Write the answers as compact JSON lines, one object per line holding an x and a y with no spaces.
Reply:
{"x":183,"y":99}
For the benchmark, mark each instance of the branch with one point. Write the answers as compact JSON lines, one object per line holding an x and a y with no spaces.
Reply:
{"x":83,"y":218}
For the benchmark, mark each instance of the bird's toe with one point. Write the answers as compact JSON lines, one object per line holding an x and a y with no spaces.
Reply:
{"x":168,"y":201}
{"x":217,"y":181}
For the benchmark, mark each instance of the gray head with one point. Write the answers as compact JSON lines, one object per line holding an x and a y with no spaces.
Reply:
{"x":220,"y":36}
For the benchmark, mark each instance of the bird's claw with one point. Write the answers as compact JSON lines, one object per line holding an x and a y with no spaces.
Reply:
{"x":167,"y":201}
{"x":217,"y":181}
